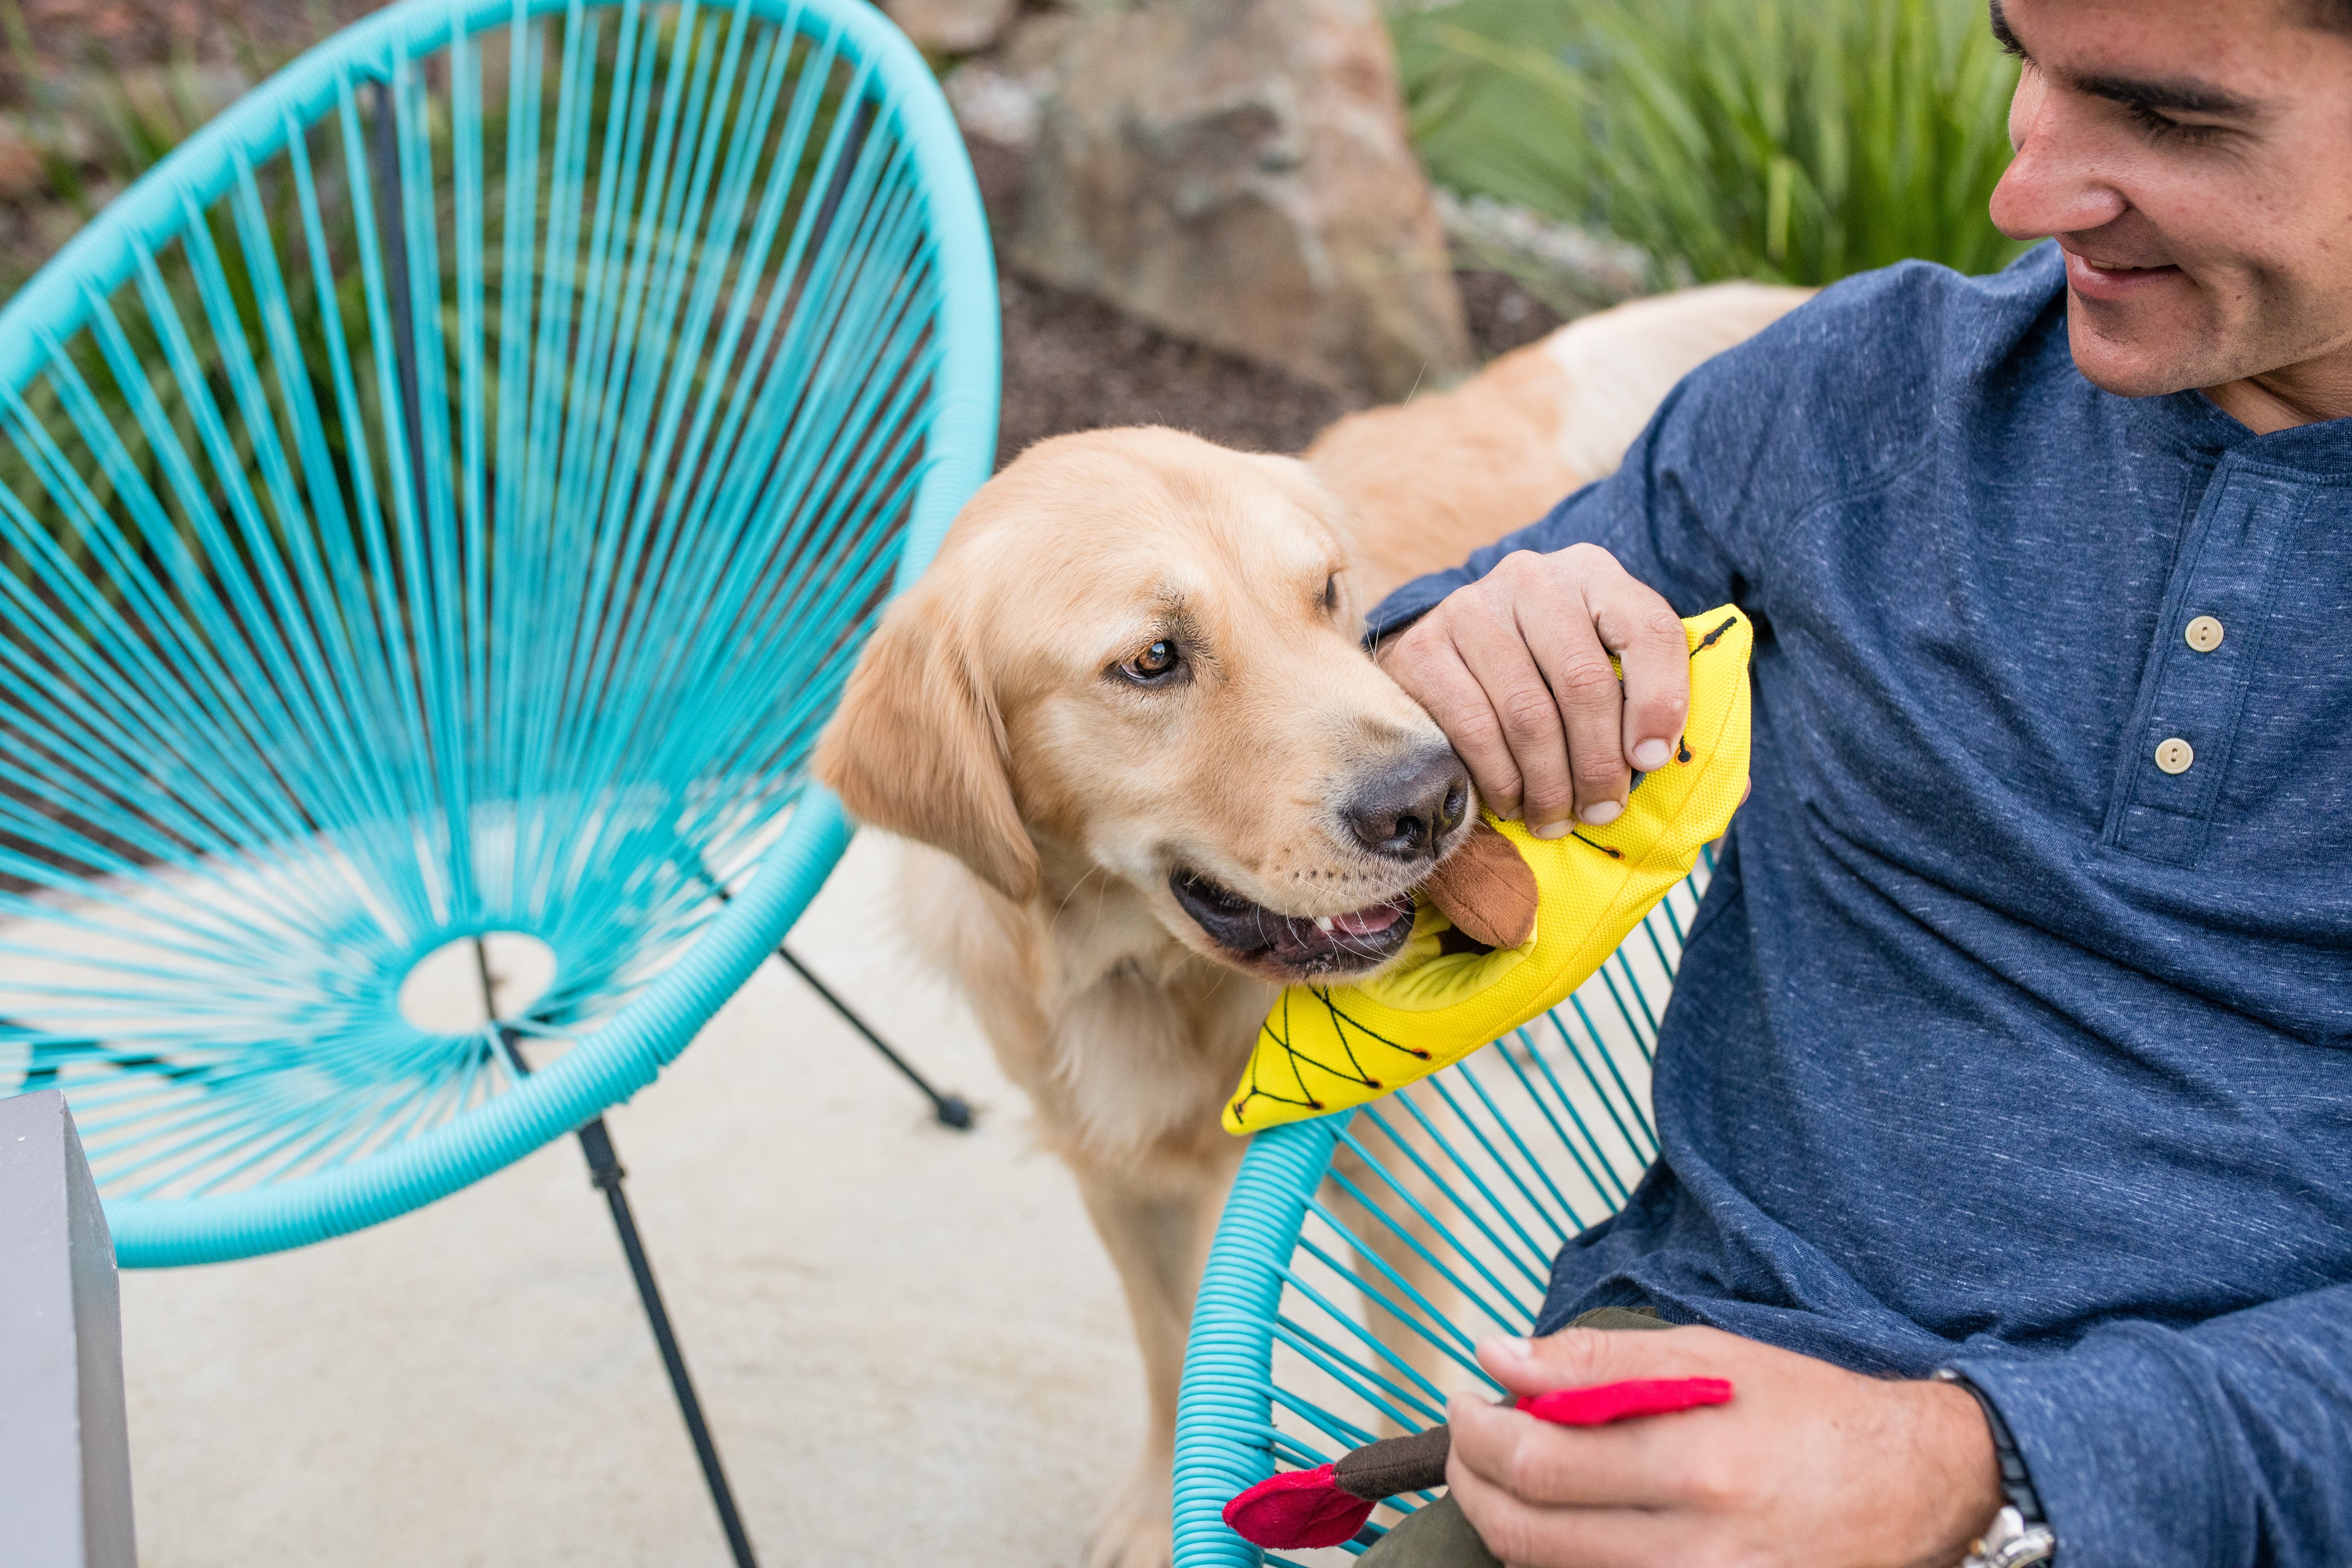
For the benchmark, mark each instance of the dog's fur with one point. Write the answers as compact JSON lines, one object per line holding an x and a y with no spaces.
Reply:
{"x":1066,"y":794}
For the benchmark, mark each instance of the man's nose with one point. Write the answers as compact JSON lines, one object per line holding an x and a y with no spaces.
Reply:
{"x":1405,"y":812}
{"x":2052,"y":184}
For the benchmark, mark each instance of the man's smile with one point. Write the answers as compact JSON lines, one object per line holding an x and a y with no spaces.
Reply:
{"x":2105,"y":277}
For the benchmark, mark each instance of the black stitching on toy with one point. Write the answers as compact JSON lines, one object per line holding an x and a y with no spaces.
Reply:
{"x":1341,"y":1022}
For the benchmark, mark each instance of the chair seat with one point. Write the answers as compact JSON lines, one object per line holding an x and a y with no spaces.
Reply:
{"x":234,"y":1046}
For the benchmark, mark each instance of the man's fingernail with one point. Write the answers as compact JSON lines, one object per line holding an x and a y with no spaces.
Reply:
{"x":1651,"y":755}
{"x":1510,"y":1347}
{"x":1602,"y":812}
{"x":1551,"y":830}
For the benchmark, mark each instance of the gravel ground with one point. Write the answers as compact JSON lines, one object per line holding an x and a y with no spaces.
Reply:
{"x":116,"y":35}
{"x":1072,"y":363}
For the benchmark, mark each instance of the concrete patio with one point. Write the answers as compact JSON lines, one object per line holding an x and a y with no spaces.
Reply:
{"x":911,"y":1348}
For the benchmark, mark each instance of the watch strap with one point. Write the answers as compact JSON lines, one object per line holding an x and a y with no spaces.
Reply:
{"x":2016,"y":1480}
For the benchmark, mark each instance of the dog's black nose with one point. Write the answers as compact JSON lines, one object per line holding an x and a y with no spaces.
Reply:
{"x":1406,"y":813}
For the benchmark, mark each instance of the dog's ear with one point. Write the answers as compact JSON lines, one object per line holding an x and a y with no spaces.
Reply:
{"x":918,"y":749}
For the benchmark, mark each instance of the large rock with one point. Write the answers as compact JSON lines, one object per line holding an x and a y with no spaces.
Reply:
{"x":1236,"y":171}
{"x":952,"y":27}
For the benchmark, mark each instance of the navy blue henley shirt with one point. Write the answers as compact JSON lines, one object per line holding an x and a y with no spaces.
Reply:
{"x":2000,"y":1043}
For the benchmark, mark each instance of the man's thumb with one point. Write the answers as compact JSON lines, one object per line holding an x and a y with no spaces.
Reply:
{"x":1572,"y":1358}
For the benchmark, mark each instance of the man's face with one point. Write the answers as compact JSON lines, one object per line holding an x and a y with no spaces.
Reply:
{"x":2194,"y":159}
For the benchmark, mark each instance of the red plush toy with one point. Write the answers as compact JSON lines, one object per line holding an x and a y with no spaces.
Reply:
{"x":1327,"y":1504}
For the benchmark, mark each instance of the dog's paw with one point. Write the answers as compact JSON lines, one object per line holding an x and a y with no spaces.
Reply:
{"x":1134,"y":1530}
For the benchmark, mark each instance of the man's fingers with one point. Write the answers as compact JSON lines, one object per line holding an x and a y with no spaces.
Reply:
{"x":1560,"y":1508}
{"x":1591,"y":704}
{"x":1586,"y":1358}
{"x":1429,"y":668}
{"x":1629,"y":1464}
{"x":1525,"y":1536}
{"x":1649,"y":640}
{"x":1516,"y":670}
{"x":1488,"y":638}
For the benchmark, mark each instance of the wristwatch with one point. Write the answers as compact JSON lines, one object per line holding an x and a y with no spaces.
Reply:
{"x":2010,"y":1544}
{"x":2020,"y":1534}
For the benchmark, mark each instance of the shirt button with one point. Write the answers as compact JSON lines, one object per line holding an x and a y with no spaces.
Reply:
{"x":2174,"y":755}
{"x":2204,"y":634}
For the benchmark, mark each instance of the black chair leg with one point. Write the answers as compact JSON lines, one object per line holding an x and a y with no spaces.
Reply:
{"x":604,"y":1174}
{"x":948,"y":1109}
{"x":604,"y":1170}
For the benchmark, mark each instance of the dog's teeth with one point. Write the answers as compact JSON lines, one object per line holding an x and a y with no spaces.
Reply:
{"x":1322,"y":922}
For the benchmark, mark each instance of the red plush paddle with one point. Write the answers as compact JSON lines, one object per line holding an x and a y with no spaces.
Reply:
{"x":1623,"y":1401}
{"x":1327,"y":1504}
{"x":1297,"y":1509}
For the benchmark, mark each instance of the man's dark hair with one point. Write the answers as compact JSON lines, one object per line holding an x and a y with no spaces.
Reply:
{"x":2330,"y":16}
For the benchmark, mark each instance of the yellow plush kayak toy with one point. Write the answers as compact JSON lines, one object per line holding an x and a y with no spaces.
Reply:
{"x":1327,"y":1047}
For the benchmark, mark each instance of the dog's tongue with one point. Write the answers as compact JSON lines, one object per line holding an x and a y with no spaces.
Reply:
{"x":1304,"y":935}
{"x":1369,"y":922}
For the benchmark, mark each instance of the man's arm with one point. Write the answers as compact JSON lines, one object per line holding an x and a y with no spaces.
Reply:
{"x":2223,"y":1445}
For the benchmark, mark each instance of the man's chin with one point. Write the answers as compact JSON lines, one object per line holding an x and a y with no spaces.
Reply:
{"x":2121,"y":351}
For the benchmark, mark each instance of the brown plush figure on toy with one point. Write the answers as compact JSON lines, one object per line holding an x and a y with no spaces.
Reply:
{"x":1485,"y":889}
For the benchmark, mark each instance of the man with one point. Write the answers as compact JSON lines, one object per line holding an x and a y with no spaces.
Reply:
{"x":2014,"y":1041}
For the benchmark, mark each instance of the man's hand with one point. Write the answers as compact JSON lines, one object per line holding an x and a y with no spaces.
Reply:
{"x":1809,"y":1464}
{"x":1515,"y":670}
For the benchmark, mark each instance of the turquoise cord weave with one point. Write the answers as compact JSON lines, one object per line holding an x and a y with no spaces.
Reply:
{"x":445,"y":497}
{"x":1307,"y":1343}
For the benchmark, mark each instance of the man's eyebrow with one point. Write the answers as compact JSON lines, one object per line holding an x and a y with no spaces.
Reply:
{"x":2183,"y":95}
{"x":2180,"y":95}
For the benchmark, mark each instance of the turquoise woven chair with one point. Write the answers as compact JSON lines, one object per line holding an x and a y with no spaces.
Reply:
{"x":439,"y":504}
{"x":1362,"y":1256}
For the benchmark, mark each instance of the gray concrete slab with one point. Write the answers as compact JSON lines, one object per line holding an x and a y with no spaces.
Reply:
{"x":65,"y":1466}
{"x":911,"y":1348}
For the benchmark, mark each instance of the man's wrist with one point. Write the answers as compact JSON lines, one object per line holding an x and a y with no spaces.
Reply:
{"x":1960,"y":1493}
{"x":2019,"y":1533}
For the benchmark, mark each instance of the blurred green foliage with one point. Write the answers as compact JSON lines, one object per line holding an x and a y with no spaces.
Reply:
{"x":1793,"y":140}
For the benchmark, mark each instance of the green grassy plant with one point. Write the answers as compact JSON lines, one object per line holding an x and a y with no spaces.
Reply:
{"x":1793,"y":141}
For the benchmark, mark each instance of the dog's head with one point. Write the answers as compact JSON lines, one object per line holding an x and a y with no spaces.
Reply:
{"x":1136,"y":656}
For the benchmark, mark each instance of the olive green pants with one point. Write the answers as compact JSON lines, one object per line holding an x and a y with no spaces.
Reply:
{"x":1437,"y":1535}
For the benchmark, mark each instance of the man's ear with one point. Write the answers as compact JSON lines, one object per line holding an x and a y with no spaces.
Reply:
{"x":918,"y":747}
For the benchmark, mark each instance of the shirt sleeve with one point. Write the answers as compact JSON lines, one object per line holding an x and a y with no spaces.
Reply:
{"x":1742,"y":450}
{"x":2223,"y":1445}
{"x":1663,"y":521}
{"x":1683,"y":512}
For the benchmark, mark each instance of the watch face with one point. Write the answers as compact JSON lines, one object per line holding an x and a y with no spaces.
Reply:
{"x":2012,"y":1548}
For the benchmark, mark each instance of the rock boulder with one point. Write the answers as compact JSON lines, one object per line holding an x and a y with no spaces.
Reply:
{"x":952,"y":27}
{"x":1236,"y":172}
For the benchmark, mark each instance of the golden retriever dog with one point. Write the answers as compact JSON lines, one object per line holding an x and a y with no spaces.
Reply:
{"x":1127,"y":715}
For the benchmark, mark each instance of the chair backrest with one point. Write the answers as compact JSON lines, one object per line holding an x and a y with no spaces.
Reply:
{"x":444,"y":498}
{"x":1362,"y":1256}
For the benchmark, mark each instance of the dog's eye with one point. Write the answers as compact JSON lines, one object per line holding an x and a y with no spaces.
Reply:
{"x":1153,"y":663}
{"x":1331,"y":593}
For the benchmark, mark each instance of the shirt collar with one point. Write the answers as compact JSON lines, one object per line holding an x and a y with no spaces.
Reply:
{"x":2192,"y":420}
{"x":2195,"y":421}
